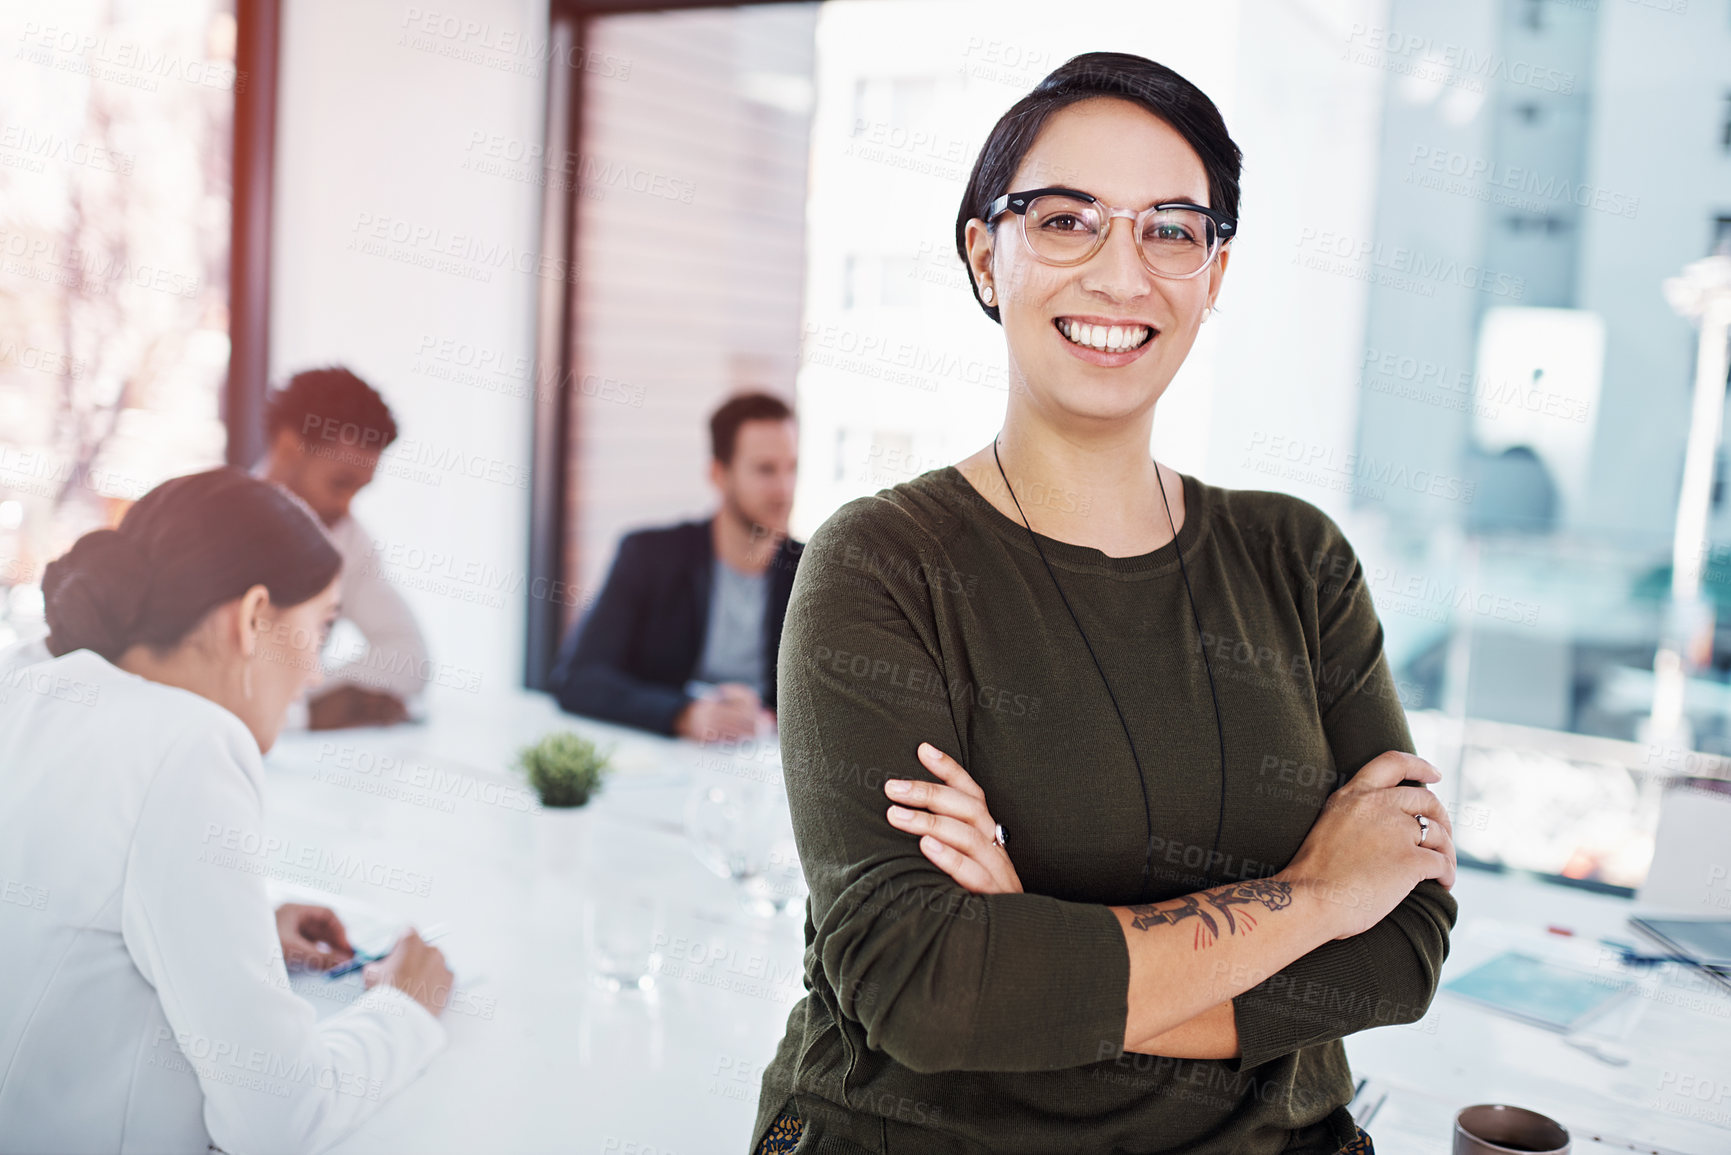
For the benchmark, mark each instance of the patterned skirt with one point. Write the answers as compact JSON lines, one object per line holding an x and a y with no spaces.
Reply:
{"x":784,"y":1135}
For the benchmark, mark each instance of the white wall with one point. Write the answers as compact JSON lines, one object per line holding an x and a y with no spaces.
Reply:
{"x":382,"y":121}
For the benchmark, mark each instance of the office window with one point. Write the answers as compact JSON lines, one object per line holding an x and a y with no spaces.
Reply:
{"x":115,"y":143}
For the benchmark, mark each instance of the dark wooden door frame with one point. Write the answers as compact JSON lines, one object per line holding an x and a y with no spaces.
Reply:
{"x":258,"y":32}
{"x":550,"y":434}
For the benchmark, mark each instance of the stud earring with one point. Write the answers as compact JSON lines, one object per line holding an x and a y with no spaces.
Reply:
{"x":986,"y":294}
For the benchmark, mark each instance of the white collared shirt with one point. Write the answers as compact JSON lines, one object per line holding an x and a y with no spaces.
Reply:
{"x":144,"y":1005}
{"x":396,"y":656}
{"x":395,"y":660}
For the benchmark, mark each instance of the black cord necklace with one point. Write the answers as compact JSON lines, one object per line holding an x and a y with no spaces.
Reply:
{"x":1141,"y":778}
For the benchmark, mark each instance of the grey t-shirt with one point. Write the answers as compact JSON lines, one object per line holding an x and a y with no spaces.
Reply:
{"x":733,"y":642}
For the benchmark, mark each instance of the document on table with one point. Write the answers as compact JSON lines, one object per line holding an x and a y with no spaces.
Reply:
{"x":1539,"y":992}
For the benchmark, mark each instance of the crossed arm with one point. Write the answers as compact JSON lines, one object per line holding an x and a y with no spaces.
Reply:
{"x":957,"y":828}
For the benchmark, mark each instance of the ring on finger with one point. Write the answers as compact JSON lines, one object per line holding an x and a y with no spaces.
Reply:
{"x":998,"y":836}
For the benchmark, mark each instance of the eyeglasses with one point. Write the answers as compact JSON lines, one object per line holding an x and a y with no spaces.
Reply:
{"x":1065,"y":227}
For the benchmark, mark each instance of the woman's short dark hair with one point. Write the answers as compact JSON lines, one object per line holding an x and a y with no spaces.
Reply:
{"x":1121,"y":74}
{"x":186,"y":547}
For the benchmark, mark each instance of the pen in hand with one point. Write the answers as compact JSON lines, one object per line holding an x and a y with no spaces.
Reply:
{"x":362,"y":958}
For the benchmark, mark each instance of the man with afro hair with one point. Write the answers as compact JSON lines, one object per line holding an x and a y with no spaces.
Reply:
{"x":324,"y":433}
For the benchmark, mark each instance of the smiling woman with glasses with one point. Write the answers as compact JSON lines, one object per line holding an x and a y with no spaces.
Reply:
{"x":1112,"y":823}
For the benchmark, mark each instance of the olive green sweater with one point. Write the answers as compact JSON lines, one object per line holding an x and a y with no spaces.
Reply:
{"x":937,"y":1020}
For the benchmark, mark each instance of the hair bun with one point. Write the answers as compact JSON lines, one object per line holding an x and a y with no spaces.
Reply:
{"x":94,"y":594}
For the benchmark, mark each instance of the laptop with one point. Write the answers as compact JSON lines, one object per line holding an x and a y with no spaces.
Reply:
{"x":1704,"y":943}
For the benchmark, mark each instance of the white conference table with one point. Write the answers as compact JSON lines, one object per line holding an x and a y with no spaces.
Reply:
{"x":429,"y":824}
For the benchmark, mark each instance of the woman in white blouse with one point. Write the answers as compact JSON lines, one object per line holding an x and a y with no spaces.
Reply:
{"x":144,"y":1001}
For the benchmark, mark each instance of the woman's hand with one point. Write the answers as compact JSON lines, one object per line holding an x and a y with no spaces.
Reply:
{"x":303,"y":930}
{"x":416,"y":969}
{"x":1363,"y":853}
{"x":957,"y":828}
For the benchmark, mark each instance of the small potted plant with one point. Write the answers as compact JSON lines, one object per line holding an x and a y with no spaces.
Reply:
{"x":566,"y":770}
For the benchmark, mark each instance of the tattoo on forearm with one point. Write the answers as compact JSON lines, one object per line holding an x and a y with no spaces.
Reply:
{"x":1272,"y":895}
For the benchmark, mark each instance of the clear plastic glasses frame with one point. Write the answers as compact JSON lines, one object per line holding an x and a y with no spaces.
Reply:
{"x":1222,"y":227}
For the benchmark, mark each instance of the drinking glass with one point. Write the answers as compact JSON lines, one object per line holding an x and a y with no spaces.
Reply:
{"x":741,"y":830}
{"x":623,"y":931}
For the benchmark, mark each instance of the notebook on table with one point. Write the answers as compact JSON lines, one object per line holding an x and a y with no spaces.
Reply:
{"x":1546,"y":994}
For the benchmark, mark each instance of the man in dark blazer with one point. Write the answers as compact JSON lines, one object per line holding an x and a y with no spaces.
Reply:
{"x":683,"y":637}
